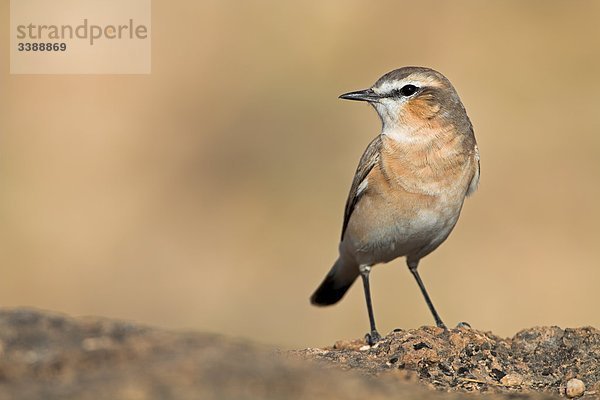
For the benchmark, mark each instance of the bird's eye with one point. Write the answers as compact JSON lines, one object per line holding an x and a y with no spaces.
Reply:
{"x":408,"y":90}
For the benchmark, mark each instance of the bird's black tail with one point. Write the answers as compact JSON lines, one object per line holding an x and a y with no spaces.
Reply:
{"x":336,"y":284}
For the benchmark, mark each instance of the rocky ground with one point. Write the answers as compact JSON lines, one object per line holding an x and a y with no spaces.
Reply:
{"x":543,"y":359}
{"x":51,"y":356}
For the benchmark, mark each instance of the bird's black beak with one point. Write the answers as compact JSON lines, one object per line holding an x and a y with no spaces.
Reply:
{"x":361,"y":95}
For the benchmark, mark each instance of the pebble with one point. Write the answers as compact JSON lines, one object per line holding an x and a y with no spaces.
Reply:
{"x":512,"y":380}
{"x":575,"y":388}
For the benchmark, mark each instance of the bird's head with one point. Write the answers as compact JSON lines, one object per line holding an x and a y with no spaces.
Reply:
{"x":410,"y":98}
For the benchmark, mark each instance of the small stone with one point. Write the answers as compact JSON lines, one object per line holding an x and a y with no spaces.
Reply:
{"x":512,"y":380}
{"x":31,"y":357}
{"x":364,"y":348}
{"x":97,"y":343}
{"x":575,"y":388}
{"x":421,"y":345}
{"x":497,"y":374}
{"x":392,"y":361}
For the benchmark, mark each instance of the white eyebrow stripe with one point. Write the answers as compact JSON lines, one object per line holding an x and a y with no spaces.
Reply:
{"x":389,"y":86}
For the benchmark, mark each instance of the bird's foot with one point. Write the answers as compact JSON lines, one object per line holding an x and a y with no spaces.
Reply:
{"x":440,"y":324}
{"x":372,"y":338}
{"x":463,"y":324}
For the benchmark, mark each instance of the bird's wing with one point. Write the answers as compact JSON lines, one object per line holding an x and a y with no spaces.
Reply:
{"x":369,"y":159}
{"x":475,"y":180}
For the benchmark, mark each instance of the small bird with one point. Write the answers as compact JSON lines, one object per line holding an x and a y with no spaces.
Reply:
{"x":410,"y":183}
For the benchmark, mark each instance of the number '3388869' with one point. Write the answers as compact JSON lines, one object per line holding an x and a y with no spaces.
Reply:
{"x":41,"y":46}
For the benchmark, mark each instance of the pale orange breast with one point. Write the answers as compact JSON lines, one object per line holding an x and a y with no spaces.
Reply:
{"x":438,"y":161}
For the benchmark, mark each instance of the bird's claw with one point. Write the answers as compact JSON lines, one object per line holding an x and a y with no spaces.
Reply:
{"x":372,"y":338}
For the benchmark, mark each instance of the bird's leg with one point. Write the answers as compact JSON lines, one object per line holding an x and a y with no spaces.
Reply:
{"x":412,"y":266}
{"x":374,"y":336}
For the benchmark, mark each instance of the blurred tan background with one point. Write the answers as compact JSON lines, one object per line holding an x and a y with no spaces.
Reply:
{"x":209,"y":195}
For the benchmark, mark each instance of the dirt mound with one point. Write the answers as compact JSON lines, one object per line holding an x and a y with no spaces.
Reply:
{"x":51,"y":356}
{"x":540,"y":359}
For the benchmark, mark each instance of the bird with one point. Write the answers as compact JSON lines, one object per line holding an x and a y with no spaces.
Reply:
{"x":410,"y":183}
